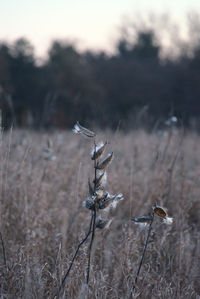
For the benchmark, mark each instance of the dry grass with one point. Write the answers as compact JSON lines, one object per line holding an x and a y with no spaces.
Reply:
{"x":42,"y":218}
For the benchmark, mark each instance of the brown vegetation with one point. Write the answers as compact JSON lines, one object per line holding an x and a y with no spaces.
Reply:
{"x":44,"y":180}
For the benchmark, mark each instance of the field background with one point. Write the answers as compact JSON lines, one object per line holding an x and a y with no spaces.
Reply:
{"x":43,"y":220}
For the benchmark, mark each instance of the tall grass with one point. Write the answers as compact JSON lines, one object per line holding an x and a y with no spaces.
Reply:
{"x":42,"y":219}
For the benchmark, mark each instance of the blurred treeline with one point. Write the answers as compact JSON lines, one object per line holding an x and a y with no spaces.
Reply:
{"x":134,"y":86}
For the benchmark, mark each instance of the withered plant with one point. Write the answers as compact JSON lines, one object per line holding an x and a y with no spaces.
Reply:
{"x":148,"y":220}
{"x":98,"y":199}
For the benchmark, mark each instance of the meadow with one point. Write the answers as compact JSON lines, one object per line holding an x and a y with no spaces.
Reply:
{"x":44,"y":181}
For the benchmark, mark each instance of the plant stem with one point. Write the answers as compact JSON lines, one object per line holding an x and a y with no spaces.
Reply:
{"x":94,"y":215}
{"x":95,"y":167}
{"x":77,"y":250}
{"x":144,"y":251}
{"x":91,"y":243}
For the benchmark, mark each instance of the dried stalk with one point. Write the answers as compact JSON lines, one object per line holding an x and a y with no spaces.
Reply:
{"x":143,"y":253}
{"x":90,"y":247}
{"x":94,"y":215}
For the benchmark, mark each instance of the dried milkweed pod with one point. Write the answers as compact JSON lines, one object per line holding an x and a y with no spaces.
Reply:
{"x":105,"y":162}
{"x":142,"y":219}
{"x":100,"y":180}
{"x":89,"y":204}
{"x":107,"y":201}
{"x":101,"y":195}
{"x":78,"y":129}
{"x":98,"y":150}
{"x":160,"y":211}
{"x":115,"y":202}
{"x":110,"y":201}
{"x":91,"y":190}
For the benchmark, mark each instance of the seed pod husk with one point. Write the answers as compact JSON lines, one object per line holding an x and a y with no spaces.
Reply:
{"x":160,"y":211}
{"x":142,"y":219}
{"x":98,"y":151}
{"x":89,"y":204}
{"x":105,"y":162}
{"x":105,"y":203}
{"x":99,"y":180}
{"x":91,"y":191}
{"x":83,"y":131}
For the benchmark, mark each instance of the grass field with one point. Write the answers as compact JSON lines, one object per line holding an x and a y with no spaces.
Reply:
{"x":43,"y":220}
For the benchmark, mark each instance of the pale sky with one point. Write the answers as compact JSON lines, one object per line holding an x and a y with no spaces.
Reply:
{"x":93,"y":24}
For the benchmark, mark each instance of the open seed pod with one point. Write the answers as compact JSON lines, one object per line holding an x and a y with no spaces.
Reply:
{"x":105,"y":203}
{"x":100,"y":180}
{"x":78,"y":129}
{"x":98,"y":150}
{"x":105,"y":162}
{"x":142,"y":219}
{"x":160,"y":211}
{"x":89,"y":204}
{"x":111,"y":201}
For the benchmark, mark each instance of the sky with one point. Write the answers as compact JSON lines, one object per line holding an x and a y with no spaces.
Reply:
{"x":92,"y":24}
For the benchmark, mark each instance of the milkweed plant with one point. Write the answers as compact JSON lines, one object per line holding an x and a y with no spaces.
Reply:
{"x":98,"y":198}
